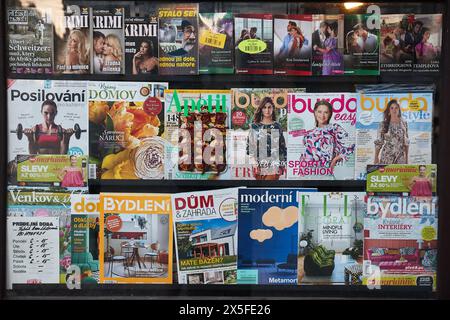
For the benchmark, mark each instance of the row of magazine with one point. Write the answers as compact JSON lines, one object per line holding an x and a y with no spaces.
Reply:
{"x":143,"y":130}
{"x":278,"y":236}
{"x":175,"y":39}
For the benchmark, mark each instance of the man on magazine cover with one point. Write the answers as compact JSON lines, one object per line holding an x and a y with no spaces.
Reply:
{"x":366,"y":41}
{"x":286,"y":46}
{"x":188,"y":41}
{"x":318,"y":37}
{"x":99,"y":42}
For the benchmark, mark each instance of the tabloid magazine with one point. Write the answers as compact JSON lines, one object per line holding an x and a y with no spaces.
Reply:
{"x":178,"y":39}
{"x":108,"y":43}
{"x":253,"y":40}
{"x":400,"y":241}
{"x":126,"y":121}
{"x":30,"y":40}
{"x":257,"y":147}
{"x":73,"y":40}
{"x":47,"y":117}
{"x":206,"y":236}
{"x":292,"y":44}
{"x":321,"y":136}
{"x":393,"y":127}
{"x":330,"y":227}
{"x":136,"y":238}
{"x":196,"y":124}
{"x":216,"y":46}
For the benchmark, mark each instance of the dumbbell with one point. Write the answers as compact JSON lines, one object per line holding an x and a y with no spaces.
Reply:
{"x":76,"y":129}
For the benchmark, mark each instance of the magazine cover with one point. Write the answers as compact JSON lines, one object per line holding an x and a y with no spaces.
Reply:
{"x":108,"y":43}
{"x":30,"y":40}
{"x":47,"y":117}
{"x":126,"y":121}
{"x":141,"y":45}
{"x":402,"y":179}
{"x":327,"y":43}
{"x":362,"y":38}
{"x":393,"y":128}
{"x":47,"y":214}
{"x":396,"y":43}
{"x":216,"y":45}
{"x":85,"y":222}
{"x":268,"y":236}
{"x":400,"y":241}
{"x":61,"y":171}
{"x":136,"y":239}
{"x":196,"y":124}
{"x":330,"y":227}
{"x":292,"y":44}
{"x":73,"y":41}
{"x":178,"y":39}
{"x":321,"y":136}
{"x":253,"y":41}
{"x":205,"y":225}
{"x":427,"y":39}
{"x":259,"y":121}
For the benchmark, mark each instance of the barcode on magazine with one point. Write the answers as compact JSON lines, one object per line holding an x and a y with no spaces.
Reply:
{"x":92,"y":171}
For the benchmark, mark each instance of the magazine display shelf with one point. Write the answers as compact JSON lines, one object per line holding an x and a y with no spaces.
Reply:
{"x":440,"y":156}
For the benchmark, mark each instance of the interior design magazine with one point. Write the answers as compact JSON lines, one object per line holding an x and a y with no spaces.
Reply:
{"x":84,"y":237}
{"x":136,"y":238}
{"x":321,"y":136}
{"x":196,"y":124}
{"x":292,"y":44}
{"x":141,"y":44}
{"x":30,"y":40}
{"x":330,"y":227}
{"x":400,"y":241}
{"x":427,"y":34}
{"x":108,"y":40}
{"x":253,"y":41}
{"x":47,"y":117}
{"x":73,"y":40}
{"x":178,"y":38}
{"x":327,"y":44}
{"x":257,"y":148}
{"x":216,"y":45}
{"x":206,"y":236}
{"x":362,"y":44}
{"x":393,"y":127}
{"x":126,"y":121}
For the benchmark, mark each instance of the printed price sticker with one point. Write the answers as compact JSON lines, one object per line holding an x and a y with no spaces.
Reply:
{"x":414,"y":105}
{"x":429,"y":233}
{"x":252,"y":46}
{"x":212,"y":39}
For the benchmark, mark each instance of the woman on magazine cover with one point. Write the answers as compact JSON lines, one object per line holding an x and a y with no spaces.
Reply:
{"x":325,"y":142}
{"x":421,"y":186}
{"x":425,"y":51}
{"x":267,"y":164}
{"x":333,"y":61}
{"x":144,"y":61}
{"x":48,"y":137}
{"x":297,"y":42}
{"x":72,"y":176}
{"x":76,"y":53}
{"x":392,"y":143}
{"x":112,"y":52}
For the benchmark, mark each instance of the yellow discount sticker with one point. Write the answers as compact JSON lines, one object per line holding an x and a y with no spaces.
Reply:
{"x":414,"y":105}
{"x":217,"y":40}
{"x":429,"y":233}
{"x":252,"y":46}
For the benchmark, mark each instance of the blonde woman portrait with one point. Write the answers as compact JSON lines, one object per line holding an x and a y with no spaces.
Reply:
{"x":77,"y":54}
{"x":112,"y":54}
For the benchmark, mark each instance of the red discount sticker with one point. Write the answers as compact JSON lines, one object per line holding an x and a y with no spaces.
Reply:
{"x":238,"y":118}
{"x":113,"y":223}
{"x":152,"y":106}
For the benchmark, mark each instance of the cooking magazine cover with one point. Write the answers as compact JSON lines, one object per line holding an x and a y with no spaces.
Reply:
{"x":136,"y":238}
{"x":216,"y":45}
{"x":30,"y":40}
{"x":253,"y":41}
{"x":205,"y":225}
{"x":321,"y":136}
{"x":178,"y":39}
{"x":196,"y":125}
{"x":292,"y":44}
{"x":73,"y":40}
{"x":108,"y":43}
{"x":126,"y":121}
{"x":327,"y":43}
{"x":393,"y":128}
{"x":47,"y":117}
{"x":427,"y":35}
{"x":400,"y":241}
{"x":330,"y":227}
{"x":362,"y":44}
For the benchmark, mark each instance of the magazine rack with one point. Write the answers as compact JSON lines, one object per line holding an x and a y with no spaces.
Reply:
{"x":441,"y":154}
